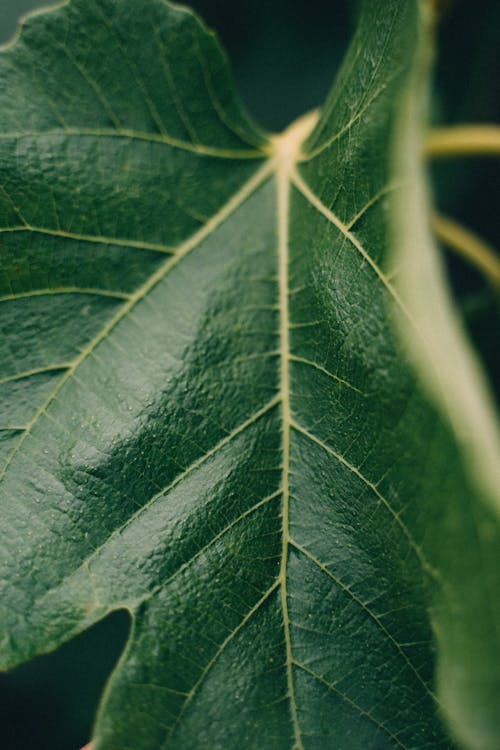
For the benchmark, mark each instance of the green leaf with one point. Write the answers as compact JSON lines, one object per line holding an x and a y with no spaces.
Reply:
{"x":207,"y":416}
{"x":466,"y":620}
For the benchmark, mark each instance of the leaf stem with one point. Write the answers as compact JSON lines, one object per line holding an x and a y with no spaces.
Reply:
{"x":467,"y":244}
{"x":463,"y":140}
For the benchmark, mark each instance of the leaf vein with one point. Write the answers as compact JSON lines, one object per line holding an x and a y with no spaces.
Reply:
{"x":425,"y":565}
{"x":64,"y":290}
{"x":352,"y":703}
{"x":100,"y":240}
{"x":38,"y":371}
{"x":313,"y":199}
{"x":316,"y":366}
{"x":211,"y":543}
{"x":366,"y":608}
{"x":235,"y":201}
{"x":199,"y":149}
{"x":217,"y":655}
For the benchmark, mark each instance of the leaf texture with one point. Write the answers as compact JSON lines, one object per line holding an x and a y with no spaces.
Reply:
{"x":207,"y":416}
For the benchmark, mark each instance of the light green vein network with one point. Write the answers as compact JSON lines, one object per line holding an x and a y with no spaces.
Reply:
{"x":238,"y":451}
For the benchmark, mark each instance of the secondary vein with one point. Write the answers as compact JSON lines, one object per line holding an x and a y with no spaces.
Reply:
{"x":237,"y":199}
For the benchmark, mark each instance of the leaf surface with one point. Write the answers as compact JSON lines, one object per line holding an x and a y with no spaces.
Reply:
{"x":207,"y":417}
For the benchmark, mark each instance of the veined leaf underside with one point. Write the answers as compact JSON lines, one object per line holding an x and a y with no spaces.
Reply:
{"x":209,"y":421}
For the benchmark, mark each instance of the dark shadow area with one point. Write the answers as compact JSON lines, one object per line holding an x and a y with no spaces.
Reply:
{"x":467,"y":83}
{"x":50,"y":703}
{"x":10,"y":11}
{"x":479,"y":304}
{"x":284,"y":55}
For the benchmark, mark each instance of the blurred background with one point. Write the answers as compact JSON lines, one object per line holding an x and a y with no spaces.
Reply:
{"x":285,"y":55}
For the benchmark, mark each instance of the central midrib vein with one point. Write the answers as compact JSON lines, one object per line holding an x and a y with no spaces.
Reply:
{"x":283,"y":186}
{"x":287,"y":150}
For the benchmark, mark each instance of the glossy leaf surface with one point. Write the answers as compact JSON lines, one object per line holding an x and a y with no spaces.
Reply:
{"x":207,"y":417}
